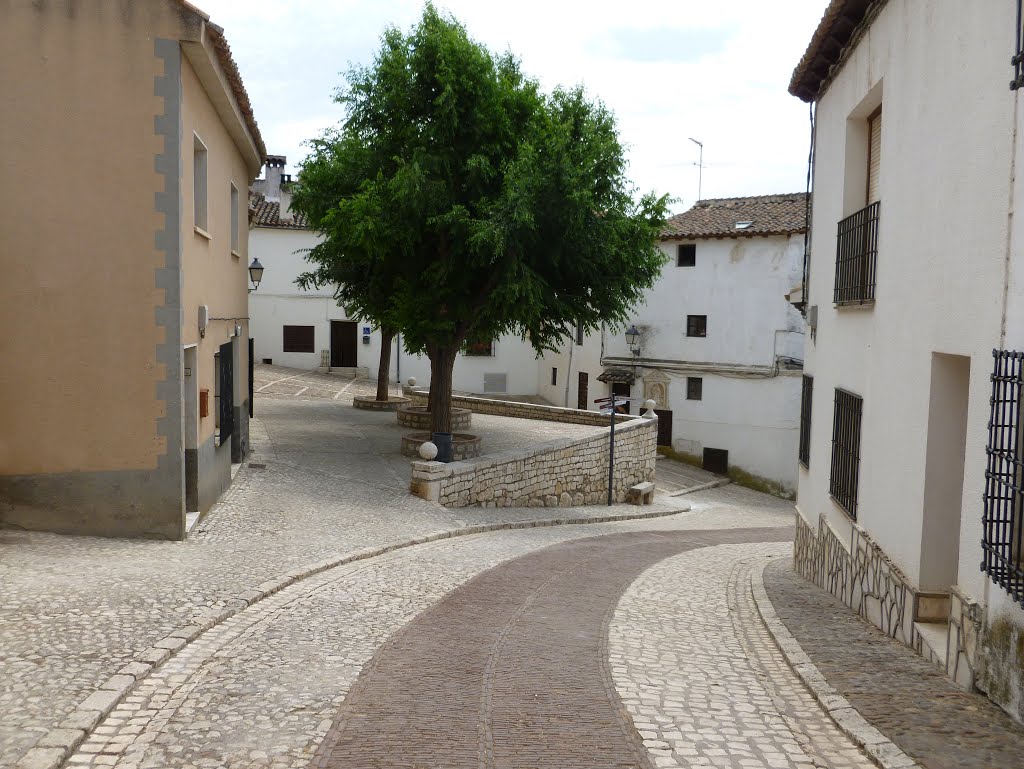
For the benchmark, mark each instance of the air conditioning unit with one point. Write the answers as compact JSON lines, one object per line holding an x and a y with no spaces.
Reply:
{"x":495,"y":383}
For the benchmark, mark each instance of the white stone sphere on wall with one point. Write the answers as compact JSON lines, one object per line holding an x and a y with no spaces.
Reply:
{"x":428,"y":451}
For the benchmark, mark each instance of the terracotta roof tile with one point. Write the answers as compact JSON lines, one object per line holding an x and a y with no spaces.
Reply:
{"x":835,"y":33}
{"x":267,"y":213}
{"x":718,"y":217}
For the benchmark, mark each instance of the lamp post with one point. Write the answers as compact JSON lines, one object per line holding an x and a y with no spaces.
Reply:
{"x":255,"y":274}
{"x":633,"y":340}
{"x":700,"y":165}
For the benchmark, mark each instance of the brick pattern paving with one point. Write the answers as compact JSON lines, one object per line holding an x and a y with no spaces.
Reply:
{"x":911,"y":701}
{"x":702,"y":679}
{"x":511,"y":669}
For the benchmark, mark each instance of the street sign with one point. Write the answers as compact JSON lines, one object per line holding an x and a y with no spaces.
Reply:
{"x":603,"y":400}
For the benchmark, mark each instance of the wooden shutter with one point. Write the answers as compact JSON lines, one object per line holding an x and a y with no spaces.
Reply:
{"x":874,"y":154}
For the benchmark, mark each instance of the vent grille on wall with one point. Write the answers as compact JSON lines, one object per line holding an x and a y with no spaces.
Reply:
{"x":495,"y":383}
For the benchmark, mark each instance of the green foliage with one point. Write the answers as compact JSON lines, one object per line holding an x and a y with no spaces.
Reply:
{"x":459,"y":202}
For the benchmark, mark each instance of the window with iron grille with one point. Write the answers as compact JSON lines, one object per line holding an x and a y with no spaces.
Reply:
{"x":479,"y":349}
{"x":1017,"y":60}
{"x":696,"y":325}
{"x":856,"y":256}
{"x":694,"y":388}
{"x":579,"y":332}
{"x":805,"y":420}
{"x":1003,"y":520}
{"x":686,"y":255}
{"x":846,"y":451}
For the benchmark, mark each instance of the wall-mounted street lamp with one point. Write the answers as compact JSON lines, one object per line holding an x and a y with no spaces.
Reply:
{"x":255,"y":274}
{"x":633,"y":340}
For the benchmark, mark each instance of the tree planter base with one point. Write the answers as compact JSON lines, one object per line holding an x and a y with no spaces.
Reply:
{"x":464,"y":445}
{"x":418,"y":418}
{"x":370,"y":403}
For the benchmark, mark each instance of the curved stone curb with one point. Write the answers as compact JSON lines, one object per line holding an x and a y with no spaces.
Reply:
{"x":878,"y":747}
{"x":54,"y":747}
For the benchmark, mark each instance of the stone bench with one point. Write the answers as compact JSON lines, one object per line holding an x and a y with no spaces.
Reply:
{"x":641,"y":494}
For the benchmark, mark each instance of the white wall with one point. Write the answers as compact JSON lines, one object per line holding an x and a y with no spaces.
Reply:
{"x":279,"y":302}
{"x":944,"y":186}
{"x":571,"y":360}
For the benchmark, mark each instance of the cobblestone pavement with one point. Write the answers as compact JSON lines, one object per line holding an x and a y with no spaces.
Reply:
{"x":701,"y":677}
{"x":908,"y":699}
{"x":76,"y":610}
{"x":242,"y":695}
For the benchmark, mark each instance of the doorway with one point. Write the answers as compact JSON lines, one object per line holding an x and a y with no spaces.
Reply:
{"x":664,"y":427}
{"x":190,"y":429}
{"x":623,"y":390}
{"x":583,"y":391}
{"x":344,"y":343}
{"x":944,"y":471}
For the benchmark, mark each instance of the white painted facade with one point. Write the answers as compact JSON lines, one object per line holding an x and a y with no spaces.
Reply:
{"x":279,"y":302}
{"x":920,"y":354}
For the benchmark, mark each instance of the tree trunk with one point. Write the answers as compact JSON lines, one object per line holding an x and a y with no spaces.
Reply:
{"x":387,"y":336}
{"x":442,"y":361}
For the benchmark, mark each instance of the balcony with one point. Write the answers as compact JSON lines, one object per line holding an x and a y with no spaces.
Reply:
{"x":856,"y":255}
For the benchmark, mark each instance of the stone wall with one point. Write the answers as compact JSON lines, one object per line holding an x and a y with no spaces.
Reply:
{"x":520,"y":410}
{"x":864,"y":578}
{"x":556,"y":474}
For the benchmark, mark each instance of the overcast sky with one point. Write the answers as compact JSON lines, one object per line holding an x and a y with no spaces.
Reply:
{"x":668,"y":69}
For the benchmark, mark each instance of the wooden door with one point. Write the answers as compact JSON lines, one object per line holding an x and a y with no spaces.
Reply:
{"x":583,"y":391}
{"x":664,"y":426}
{"x":344,"y":343}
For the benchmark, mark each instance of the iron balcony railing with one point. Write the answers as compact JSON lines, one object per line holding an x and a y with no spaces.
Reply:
{"x":1002,"y":539}
{"x":856,"y":255}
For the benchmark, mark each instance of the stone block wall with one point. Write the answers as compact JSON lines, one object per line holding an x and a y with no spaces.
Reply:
{"x":520,"y":410}
{"x":557,"y":474}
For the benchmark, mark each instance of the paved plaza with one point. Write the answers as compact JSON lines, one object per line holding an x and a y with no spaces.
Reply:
{"x":321,"y":616}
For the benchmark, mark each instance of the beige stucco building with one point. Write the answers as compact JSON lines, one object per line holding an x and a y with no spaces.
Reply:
{"x":128,"y":147}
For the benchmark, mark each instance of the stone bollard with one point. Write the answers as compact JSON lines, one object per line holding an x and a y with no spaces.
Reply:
{"x":649,"y":404}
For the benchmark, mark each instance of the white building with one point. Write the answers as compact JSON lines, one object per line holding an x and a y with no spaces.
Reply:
{"x":916,"y":274}
{"x":307,"y":329}
{"x":720,"y":346}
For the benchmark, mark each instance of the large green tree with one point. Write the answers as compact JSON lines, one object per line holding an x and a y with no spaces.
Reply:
{"x":489,"y":206}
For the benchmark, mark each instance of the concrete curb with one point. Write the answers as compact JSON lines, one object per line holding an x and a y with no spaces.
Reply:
{"x":54,"y":747}
{"x":878,"y":747}
{"x":701,"y":487}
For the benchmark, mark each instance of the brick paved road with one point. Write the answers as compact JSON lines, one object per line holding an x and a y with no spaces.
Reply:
{"x":912,"y":702}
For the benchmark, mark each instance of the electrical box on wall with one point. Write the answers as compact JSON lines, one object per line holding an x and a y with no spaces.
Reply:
{"x":204,"y":402}
{"x":204,"y":319}
{"x":366,"y":339}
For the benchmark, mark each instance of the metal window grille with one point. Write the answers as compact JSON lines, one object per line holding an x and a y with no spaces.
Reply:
{"x":579,"y":332}
{"x":805,"y":420}
{"x":846,"y":450}
{"x":696,"y":325}
{"x":226,"y":399}
{"x":1018,"y":57}
{"x":694,"y":388}
{"x":1003,"y":520}
{"x":856,"y":256}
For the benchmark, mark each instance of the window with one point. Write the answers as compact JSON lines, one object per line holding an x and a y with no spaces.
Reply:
{"x":298,"y":338}
{"x":696,"y":325}
{"x":686,"y":255}
{"x":199,"y":156}
{"x":622,"y":390}
{"x":694,"y":388}
{"x":223,"y":364}
{"x":583,"y":391}
{"x":857,"y":234}
{"x":478,"y":349}
{"x":846,"y":451}
{"x":1003,"y":520}
{"x":805,"y":420}
{"x":554,"y":377}
{"x":234,"y":220}
{"x":579,"y":332}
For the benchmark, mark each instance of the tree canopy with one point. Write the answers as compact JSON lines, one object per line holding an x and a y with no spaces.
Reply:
{"x":459,"y":202}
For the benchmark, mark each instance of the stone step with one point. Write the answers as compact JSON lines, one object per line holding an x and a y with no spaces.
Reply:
{"x":930,"y":641}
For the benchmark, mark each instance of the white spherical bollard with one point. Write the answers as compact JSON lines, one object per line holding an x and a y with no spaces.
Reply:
{"x":650,"y":403}
{"x":412,"y":381}
{"x":428,"y":451}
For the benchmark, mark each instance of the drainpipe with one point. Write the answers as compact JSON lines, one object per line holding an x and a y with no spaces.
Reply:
{"x":568,"y":373}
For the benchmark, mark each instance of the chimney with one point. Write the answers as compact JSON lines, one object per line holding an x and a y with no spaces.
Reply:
{"x":285,"y":209}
